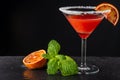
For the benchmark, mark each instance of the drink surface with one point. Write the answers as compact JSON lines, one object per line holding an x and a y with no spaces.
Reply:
{"x":84,"y":24}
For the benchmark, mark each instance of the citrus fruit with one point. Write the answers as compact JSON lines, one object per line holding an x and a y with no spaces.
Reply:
{"x":35,"y":60}
{"x":113,"y":16}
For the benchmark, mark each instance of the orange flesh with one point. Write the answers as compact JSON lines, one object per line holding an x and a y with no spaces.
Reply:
{"x":113,"y":16}
{"x":33,"y":57}
{"x":35,"y":60}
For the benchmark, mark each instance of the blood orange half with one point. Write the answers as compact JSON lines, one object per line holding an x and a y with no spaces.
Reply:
{"x":35,"y":60}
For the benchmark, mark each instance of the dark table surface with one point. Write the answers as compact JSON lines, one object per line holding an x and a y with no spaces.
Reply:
{"x":12,"y":68}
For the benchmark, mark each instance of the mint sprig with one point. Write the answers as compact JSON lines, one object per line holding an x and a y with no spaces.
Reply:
{"x":53,"y":48}
{"x":58,"y":62}
{"x":52,"y":67}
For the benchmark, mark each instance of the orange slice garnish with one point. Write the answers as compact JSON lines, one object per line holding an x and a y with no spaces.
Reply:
{"x":35,"y":60}
{"x":113,"y":16}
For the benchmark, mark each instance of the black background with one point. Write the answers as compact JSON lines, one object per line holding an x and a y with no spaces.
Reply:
{"x":28,"y":25}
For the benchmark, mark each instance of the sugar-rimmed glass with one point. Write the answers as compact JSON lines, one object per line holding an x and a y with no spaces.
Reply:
{"x":84,"y":20}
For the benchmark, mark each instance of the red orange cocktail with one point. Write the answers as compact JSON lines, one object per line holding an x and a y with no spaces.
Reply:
{"x":84,"y":20}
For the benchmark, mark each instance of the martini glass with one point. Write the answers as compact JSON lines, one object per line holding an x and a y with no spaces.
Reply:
{"x":84,"y":20}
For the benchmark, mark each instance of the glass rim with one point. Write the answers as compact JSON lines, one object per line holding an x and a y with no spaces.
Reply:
{"x":67,"y":11}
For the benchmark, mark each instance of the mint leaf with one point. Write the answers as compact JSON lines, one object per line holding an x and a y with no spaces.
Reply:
{"x":53,"y":48}
{"x":68,"y":67}
{"x":46,"y":56}
{"x":52,"y":66}
{"x":60,"y":57}
{"x":71,"y":59}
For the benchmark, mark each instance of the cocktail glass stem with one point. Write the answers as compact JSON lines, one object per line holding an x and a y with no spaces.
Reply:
{"x":85,"y":68}
{"x":83,"y":53}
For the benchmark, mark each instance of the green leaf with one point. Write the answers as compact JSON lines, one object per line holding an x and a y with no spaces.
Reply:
{"x":69,"y":58}
{"x":60,"y":57}
{"x":53,"y":48}
{"x":52,"y":66}
{"x":68,"y":67}
{"x":46,"y":56}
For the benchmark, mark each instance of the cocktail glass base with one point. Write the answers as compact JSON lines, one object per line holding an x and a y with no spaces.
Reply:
{"x":89,"y":69}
